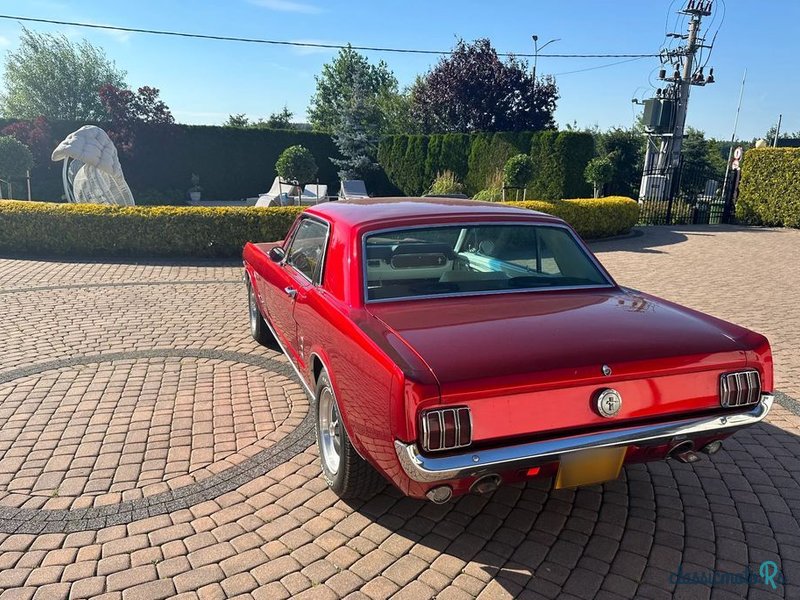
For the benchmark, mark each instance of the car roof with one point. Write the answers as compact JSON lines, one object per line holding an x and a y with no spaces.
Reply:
{"x":378,"y":210}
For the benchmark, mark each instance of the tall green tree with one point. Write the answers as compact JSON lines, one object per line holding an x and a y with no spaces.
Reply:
{"x":353,"y":142}
{"x":625,"y":149}
{"x":336,"y":85}
{"x":701,"y":154}
{"x":50,"y":76}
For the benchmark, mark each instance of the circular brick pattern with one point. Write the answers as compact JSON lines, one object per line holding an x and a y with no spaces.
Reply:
{"x":124,"y":426}
{"x":268,"y":527}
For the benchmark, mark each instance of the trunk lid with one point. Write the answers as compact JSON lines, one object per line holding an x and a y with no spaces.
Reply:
{"x":539,"y":356}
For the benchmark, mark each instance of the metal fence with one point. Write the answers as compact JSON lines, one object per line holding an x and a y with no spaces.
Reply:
{"x":682,"y":196}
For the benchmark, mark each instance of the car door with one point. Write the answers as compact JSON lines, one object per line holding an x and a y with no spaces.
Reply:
{"x":299,"y":272}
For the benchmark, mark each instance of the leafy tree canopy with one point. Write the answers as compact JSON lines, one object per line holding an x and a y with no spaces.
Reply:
{"x":297,"y":165}
{"x":127,"y":110}
{"x":517,"y":171}
{"x":48,"y":75}
{"x":336,"y":86}
{"x":280,"y":120}
{"x":599,"y":172}
{"x":701,"y":154}
{"x":473,"y":90}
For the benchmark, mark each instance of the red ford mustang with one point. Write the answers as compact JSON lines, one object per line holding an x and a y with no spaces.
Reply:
{"x":451,"y":345}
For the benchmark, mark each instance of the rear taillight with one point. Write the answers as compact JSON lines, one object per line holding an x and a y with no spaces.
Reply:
{"x":740,"y":388}
{"x":446,"y":428}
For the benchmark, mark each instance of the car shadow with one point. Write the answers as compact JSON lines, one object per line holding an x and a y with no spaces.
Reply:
{"x":647,"y":239}
{"x":628,"y":538}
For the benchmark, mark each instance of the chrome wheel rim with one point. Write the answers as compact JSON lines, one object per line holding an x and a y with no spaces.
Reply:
{"x":253,"y":311}
{"x":330,"y":430}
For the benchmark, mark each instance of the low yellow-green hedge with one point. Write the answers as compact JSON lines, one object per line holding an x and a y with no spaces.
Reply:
{"x":39,"y":228}
{"x":31,"y":228}
{"x":769,"y":193}
{"x":591,"y":217}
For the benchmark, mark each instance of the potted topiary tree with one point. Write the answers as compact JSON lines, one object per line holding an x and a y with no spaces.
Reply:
{"x":599,"y":172}
{"x":296,"y":165}
{"x":15,"y":161}
{"x":517,"y":173}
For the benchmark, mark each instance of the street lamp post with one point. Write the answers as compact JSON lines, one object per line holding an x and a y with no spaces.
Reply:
{"x":536,"y":49}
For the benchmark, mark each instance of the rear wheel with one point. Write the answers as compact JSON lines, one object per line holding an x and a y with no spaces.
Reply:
{"x":346,"y":473}
{"x":258,"y":327}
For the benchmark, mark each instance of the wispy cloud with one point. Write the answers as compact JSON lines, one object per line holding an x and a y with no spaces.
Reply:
{"x":288,"y":6}
{"x":4,"y":41}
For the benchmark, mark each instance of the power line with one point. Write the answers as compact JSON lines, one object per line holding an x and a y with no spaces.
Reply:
{"x":611,"y":64}
{"x":224,"y":38}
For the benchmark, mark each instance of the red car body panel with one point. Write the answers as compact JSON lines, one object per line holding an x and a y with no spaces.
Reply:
{"x":525,"y":363}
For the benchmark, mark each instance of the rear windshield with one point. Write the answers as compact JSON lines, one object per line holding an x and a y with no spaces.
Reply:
{"x":477,"y":258}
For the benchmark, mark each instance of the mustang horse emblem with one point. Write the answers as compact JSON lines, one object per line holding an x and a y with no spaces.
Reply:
{"x":609,"y":402}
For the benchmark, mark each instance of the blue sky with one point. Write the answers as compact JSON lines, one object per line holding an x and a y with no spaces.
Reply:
{"x":205,"y":81}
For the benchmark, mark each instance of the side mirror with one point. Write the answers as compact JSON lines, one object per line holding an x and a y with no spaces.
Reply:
{"x":277,"y":254}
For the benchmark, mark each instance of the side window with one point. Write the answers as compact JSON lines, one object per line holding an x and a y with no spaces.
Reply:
{"x":307,"y":248}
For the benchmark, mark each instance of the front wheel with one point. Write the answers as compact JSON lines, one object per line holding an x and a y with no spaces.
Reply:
{"x":346,"y":473}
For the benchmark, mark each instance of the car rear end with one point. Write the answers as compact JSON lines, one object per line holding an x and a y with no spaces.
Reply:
{"x":570,"y":376}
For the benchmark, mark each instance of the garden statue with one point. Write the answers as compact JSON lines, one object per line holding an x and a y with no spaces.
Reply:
{"x":92,"y":173}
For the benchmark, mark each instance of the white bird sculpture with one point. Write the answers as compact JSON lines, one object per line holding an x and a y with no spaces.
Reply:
{"x":92,"y":173}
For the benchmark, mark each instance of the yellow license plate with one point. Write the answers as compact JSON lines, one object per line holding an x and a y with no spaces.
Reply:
{"x":587,"y":467}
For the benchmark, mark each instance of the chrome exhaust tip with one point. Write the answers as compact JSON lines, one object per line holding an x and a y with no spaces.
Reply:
{"x":684,"y":452}
{"x":712,"y":447}
{"x":486,"y":484}
{"x":439,"y":495}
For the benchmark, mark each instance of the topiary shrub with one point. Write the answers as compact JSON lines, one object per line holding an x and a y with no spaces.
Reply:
{"x":296,"y":164}
{"x":769,"y":191}
{"x":599,"y":172}
{"x":517,"y":171}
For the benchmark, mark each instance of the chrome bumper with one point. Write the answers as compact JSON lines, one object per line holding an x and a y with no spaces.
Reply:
{"x":427,"y":469}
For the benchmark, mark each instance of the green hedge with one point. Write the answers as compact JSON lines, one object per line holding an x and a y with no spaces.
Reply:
{"x":769,"y":191}
{"x":40,"y":228}
{"x":48,"y":229}
{"x":232,"y":163}
{"x":411,"y":162}
{"x":592,"y":218}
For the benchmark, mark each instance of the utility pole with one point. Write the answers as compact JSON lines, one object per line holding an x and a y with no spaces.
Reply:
{"x":665,"y":115}
{"x":777,"y":132}
{"x":685,"y":85}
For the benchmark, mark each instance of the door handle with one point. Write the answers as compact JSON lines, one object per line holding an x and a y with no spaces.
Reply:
{"x":291,"y":292}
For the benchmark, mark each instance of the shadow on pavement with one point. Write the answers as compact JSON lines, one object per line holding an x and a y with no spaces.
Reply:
{"x":625,"y":539}
{"x":649,"y":238}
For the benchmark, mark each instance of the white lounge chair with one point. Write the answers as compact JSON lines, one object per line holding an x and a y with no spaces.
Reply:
{"x":278,"y":194}
{"x":351,"y":189}
{"x":314,"y":193}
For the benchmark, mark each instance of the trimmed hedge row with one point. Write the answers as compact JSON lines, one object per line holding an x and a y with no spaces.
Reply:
{"x":39,"y":228}
{"x":769,"y":191}
{"x":47,"y":229}
{"x":411,"y":162}
{"x":232,"y":163}
{"x":592,"y":218}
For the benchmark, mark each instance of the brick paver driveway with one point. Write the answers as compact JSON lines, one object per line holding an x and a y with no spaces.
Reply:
{"x":149,"y":449}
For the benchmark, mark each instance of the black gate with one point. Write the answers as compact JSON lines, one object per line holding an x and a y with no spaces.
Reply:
{"x":684,"y":196}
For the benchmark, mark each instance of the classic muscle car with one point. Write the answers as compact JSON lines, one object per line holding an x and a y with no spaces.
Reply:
{"x":451,"y":345}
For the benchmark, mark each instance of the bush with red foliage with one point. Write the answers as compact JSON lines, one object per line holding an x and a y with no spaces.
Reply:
{"x":128,"y":110}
